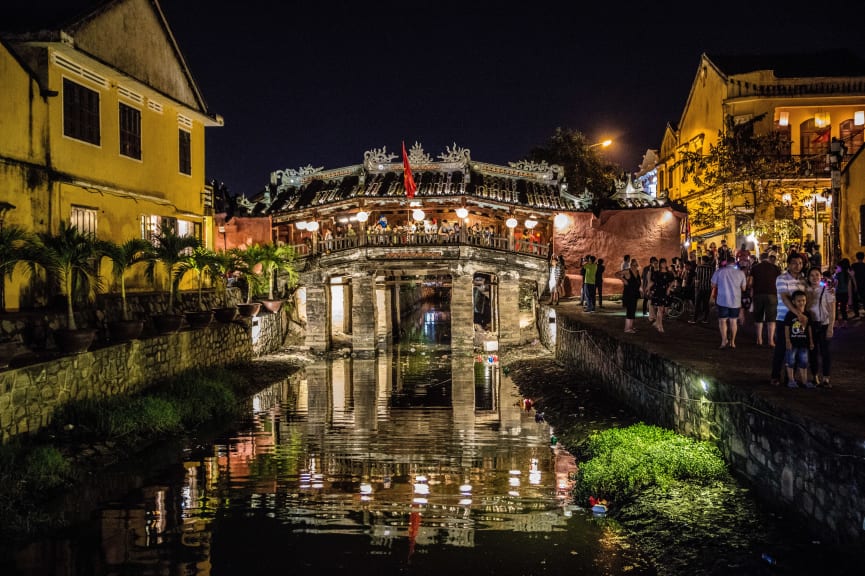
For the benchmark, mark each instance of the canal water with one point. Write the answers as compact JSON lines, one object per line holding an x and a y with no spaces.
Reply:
{"x":418,"y":461}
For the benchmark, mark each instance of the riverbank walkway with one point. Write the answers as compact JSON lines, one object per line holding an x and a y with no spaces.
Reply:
{"x":748,"y":365}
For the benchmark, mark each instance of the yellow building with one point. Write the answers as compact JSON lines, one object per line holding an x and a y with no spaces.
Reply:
{"x":102,"y":126}
{"x":803,"y":100}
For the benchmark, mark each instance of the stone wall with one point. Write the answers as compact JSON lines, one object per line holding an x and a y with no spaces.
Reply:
{"x":795,"y":464}
{"x":32,"y":392}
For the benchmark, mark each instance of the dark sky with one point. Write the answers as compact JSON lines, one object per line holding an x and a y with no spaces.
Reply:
{"x":319,"y":82}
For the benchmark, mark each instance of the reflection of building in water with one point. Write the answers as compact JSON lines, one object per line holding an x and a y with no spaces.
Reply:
{"x":481,"y":301}
{"x":481,"y":459}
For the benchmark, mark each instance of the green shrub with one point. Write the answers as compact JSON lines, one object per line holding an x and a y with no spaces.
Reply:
{"x":45,"y":468}
{"x":620,"y":462}
{"x":202,"y":396}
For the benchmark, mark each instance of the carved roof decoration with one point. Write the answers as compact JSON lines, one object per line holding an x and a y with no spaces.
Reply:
{"x":452,"y":175}
{"x":634,"y":196}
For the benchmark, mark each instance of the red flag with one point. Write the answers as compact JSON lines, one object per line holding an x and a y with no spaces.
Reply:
{"x":407,"y":179}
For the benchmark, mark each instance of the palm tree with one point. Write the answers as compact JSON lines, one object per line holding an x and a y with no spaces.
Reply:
{"x":200,"y":261}
{"x":70,"y":259}
{"x":222,"y":264}
{"x":16,"y":247}
{"x":123,"y":257}
{"x":169,"y":250}
{"x":248,"y":262}
{"x":275,"y":259}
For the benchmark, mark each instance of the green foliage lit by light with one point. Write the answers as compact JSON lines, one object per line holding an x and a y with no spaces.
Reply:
{"x":617,"y":463}
{"x":746,"y":173}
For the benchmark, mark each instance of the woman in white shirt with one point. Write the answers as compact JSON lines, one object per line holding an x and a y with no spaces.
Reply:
{"x":821,"y":306}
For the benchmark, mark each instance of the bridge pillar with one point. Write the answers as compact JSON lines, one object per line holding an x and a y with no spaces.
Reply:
{"x":363,"y":313}
{"x":462,"y":312}
{"x":508,"y":302}
{"x":318,"y":332}
{"x":384,"y":315}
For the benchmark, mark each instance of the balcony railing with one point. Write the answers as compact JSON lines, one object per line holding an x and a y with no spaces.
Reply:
{"x":399,"y":239}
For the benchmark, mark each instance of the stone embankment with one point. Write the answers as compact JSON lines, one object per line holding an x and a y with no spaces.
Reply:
{"x":810,"y":466}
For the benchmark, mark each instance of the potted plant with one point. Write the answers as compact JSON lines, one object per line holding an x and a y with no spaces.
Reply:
{"x":222,"y":264}
{"x":247,"y":263}
{"x":169,"y":250}
{"x":123,"y":257}
{"x":70,"y":259}
{"x":200,"y":263}
{"x":274,"y":259}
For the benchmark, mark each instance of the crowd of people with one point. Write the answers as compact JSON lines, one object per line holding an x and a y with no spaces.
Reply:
{"x":795,"y":309}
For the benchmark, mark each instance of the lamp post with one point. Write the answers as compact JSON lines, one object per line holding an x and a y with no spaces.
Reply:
{"x":362,"y":217}
{"x":511,"y":223}
{"x":602,"y":144}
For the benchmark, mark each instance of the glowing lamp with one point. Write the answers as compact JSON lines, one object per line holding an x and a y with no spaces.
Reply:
{"x":511,"y":223}
{"x":301,"y":225}
{"x":462,"y":213}
{"x":561,"y":221}
{"x":362,"y":216}
{"x":417,"y":215}
{"x":530,"y":223}
{"x":312,"y":226}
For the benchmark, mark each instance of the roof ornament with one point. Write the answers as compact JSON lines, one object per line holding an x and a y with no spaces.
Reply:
{"x":291,"y":177}
{"x":417,"y":156}
{"x":531,"y":166}
{"x":627,"y":194}
{"x":455,"y":154}
{"x":376,"y":159}
{"x":582,"y":202}
{"x":244,"y":202}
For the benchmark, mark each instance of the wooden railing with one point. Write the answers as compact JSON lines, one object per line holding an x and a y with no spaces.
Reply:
{"x":398,"y":239}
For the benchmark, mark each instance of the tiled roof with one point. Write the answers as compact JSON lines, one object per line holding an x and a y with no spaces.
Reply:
{"x":835,"y":63}
{"x":531,"y":185}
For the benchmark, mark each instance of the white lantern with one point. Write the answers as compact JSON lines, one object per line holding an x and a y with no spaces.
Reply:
{"x":531,"y":223}
{"x":511,"y":223}
{"x":300,"y":225}
{"x":462,"y":213}
{"x":561,"y":221}
{"x":362,"y":216}
{"x":418,"y":214}
{"x":312,"y":226}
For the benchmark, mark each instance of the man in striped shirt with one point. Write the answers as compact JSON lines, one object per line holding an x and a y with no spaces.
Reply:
{"x":785,"y":285}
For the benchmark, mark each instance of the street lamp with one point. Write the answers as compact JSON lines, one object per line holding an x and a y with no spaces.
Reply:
{"x":602,"y":144}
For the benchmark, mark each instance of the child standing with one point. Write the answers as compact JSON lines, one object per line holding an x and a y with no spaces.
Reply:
{"x":800,"y":340}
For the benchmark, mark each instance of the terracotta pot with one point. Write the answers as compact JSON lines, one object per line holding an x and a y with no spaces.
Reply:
{"x":272,"y":306}
{"x":225,"y":315}
{"x":199,"y":319}
{"x":125,"y":330}
{"x":249,"y":310}
{"x":167,"y":323}
{"x":74,"y":341}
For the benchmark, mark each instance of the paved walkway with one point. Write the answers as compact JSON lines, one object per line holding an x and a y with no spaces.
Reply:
{"x":748,"y":365}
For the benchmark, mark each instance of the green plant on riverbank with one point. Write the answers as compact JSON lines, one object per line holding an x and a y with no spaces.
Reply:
{"x":618,"y":463}
{"x":34,"y":469}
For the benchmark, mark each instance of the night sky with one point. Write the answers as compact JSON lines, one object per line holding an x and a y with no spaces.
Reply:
{"x":319,"y":82}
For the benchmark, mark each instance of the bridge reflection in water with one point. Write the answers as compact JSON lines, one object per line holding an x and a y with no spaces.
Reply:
{"x":415,"y":461}
{"x":416,"y":458}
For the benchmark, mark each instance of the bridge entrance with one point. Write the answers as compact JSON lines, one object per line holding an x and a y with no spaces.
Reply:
{"x":489,"y":297}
